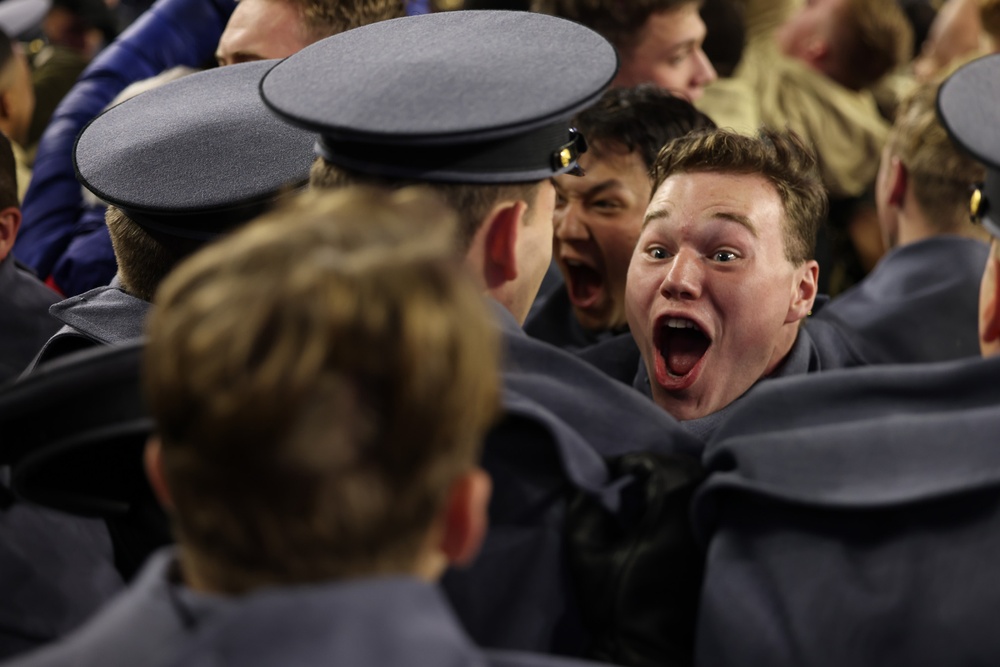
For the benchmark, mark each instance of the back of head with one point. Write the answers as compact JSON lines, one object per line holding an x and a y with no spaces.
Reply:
{"x":471,"y":201}
{"x":940,"y":175}
{"x":618,"y":22}
{"x":319,"y":378}
{"x":780,"y":157}
{"x":642,"y":119}
{"x":873,"y":38}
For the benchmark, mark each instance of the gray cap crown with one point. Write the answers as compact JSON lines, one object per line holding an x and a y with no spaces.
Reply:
{"x":195,"y":156}
{"x":503,"y":83}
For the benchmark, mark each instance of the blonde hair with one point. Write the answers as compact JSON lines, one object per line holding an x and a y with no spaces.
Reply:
{"x":320,"y":378}
{"x":143,"y":260}
{"x":940,"y":175}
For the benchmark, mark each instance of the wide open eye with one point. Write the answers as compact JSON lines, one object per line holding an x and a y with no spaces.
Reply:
{"x":724,"y":256}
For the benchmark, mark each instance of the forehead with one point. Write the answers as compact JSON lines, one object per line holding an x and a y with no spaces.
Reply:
{"x":693,"y":198}
{"x":607,"y":161}
{"x":669,"y":28}
{"x":265,"y":29}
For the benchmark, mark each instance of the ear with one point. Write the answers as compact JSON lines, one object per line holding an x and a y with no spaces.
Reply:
{"x":990,"y":308}
{"x":817,"y":51}
{"x":803,"y":291}
{"x":10,"y":222}
{"x":466,"y":517}
{"x":898,"y":182}
{"x":501,"y":229}
{"x":154,"y":472}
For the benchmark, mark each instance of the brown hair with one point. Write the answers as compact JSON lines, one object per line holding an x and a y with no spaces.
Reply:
{"x":940,"y":175}
{"x":323,"y":18}
{"x":143,"y":260}
{"x":472,"y":202}
{"x":320,"y":378}
{"x":875,"y":39}
{"x":617,"y":21}
{"x":780,"y":157}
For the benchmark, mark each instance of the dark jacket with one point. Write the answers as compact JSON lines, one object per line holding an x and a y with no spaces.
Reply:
{"x":25,"y":323}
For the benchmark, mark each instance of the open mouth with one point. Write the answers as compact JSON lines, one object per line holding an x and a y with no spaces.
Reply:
{"x":584,"y":284}
{"x":681,"y":345}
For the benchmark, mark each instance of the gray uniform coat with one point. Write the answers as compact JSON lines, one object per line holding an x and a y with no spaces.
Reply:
{"x":853,"y":518}
{"x":921,"y":303}
{"x":378,"y":622}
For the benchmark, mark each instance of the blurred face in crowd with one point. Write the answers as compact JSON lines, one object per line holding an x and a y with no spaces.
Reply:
{"x":18,"y":97}
{"x":261,"y":30}
{"x":597,"y":222}
{"x":712,"y":301}
{"x":668,"y":53}
{"x":806,"y":34}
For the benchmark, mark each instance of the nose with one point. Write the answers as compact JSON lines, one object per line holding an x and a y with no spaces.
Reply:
{"x":704,"y":73}
{"x":568,"y":223}
{"x":684,"y":277}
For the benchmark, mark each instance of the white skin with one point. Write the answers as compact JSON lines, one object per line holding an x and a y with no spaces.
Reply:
{"x":597,"y":222}
{"x":668,"y":53}
{"x":262,"y":30}
{"x":712,"y":255}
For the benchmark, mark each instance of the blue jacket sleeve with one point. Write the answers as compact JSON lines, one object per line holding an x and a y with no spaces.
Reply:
{"x":171,"y":33}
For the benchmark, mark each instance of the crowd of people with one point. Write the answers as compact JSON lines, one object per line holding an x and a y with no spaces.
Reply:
{"x":558,"y":332}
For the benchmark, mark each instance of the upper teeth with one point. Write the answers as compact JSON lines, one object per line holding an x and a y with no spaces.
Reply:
{"x":679,"y":323}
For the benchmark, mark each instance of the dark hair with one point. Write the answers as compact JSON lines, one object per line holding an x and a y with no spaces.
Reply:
{"x":642,"y":119}
{"x":6,"y":50}
{"x":8,"y":174}
{"x":618,"y":21}
{"x":725,"y":36}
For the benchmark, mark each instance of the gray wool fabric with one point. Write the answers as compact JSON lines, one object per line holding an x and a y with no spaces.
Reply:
{"x":969,"y":110}
{"x":465,"y":96}
{"x":195,"y":155}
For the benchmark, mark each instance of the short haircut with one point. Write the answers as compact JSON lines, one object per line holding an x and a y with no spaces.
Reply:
{"x":618,"y":21}
{"x":940,"y":175}
{"x":875,"y":39}
{"x":472,"y":202}
{"x":8,"y":174}
{"x":642,"y":120}
{"x":143,"y":260}
{"x":780,"y":157}
{"x":323,"y":18}
{"x":320,"y":378}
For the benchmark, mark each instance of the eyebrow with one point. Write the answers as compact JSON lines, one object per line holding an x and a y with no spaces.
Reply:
{"x":663,"y":213}
{"x":596,"y":189}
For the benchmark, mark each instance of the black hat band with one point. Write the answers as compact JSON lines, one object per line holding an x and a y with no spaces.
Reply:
{"x":531,"y":156}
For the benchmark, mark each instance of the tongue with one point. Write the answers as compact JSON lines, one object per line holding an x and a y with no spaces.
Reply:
{"x":684,"y":348}
{"x":584,"y":283}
